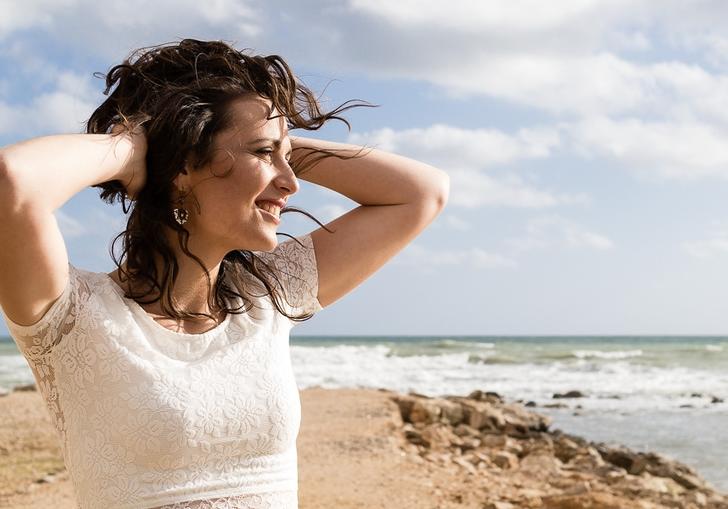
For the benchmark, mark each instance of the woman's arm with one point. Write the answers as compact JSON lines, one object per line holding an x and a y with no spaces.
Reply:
{"x":49,"y":170}
{"x":37,"y":177}
{"x":376,"y":178}
{"x":399,"y":197}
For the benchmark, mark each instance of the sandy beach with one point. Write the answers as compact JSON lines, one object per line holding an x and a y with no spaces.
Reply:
{"x":348,"y":455}
{"x":357,"y":451}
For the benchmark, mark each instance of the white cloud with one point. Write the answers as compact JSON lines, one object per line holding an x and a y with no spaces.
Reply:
{"x":559,"y":57}
{"x":63,"y":110}
{"x":553,"y":230}
{"x":69,"y":226}
{"x":23,"y":15}
{"x":473,"y":189}
{"x":465,"y":154}
{"x":417,"y":256}
{"x":329,"y":212}
{"x":567,"y":58}
{"x":106,"y":222}
{"x":444,"y":145}
{"x":112,"y":29}
{"x":707,"y":248}
{"x":670,"y":149}
{"x":450,"y":221}
{"x":715,"y":245}
{"x":476,"y":15}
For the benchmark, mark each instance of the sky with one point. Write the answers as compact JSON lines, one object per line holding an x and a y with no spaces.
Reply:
{"x":586,"y":143}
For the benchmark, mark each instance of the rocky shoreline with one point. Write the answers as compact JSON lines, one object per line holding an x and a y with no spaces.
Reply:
{"x":379,"y":449}
{"x":531,"y":466}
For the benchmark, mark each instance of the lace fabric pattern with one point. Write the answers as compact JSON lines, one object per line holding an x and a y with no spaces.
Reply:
{"x":296,"y":268}
{"x":148,"y":416}
{"x":37,"y":342}
{"x":257,"y":501}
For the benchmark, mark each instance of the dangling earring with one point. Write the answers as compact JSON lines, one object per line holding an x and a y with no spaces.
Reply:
{"x":181,"y":214}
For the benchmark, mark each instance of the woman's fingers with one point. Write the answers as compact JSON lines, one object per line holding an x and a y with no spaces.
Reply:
{"x":135,"y":174}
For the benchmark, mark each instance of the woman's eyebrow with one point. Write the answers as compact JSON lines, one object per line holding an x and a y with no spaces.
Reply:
{"x":275,"y":141}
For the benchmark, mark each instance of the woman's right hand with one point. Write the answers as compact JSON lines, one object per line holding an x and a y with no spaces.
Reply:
{"x":133,"y":175}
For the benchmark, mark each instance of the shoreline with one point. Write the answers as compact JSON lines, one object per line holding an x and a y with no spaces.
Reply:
{"x":356,"y":449}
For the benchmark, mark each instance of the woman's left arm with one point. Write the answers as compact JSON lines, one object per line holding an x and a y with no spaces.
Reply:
{"x":398,"y":198}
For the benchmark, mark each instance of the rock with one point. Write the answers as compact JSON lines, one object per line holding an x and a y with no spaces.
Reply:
{"x":3,"y":392}
{"x":493,"y":440}
{"x":419,"y":396}
{"x":440,"y":437}
{"x":556,"y":405}
{"x":529,"y":497}
{"x":25,"y":388}
{"x":499,"y":505}
{"x":463,"y":430}
{"x":466,"y":465}
{"x":414,"y":436}
{"x":503,"y":443}
{"x":405,"y":404}
{"x":632,"y":462}
{"x":682,"y":474}
{"x":587,"y":459}
{"x":490,"y":397}
{"x":540,"y":466}
{"x":610,"y":473}
{"x":425,"y":411}
{"x":469,"y":443}
{"x":451,"y":412}
{"x":649,"y":483}
{"x":505,"y":460}
{"x":483,"y":416}
{"x":716,"y":399}
{"x":530,"y":404}
{"x":570,"y":394}
{"x":578,"y":489}
{"x":511,"y":450}
{"x":536,"y":444}
{"x":517,"y":415}
{"x":565,"y":449}
{"x":592,"y":500}
{"x":697,"y":498}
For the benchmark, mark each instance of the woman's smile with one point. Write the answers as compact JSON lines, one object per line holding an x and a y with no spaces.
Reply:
{"x":269,"y":216}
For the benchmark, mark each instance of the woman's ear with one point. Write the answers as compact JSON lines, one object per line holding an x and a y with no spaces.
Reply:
{"x":182,"y":180}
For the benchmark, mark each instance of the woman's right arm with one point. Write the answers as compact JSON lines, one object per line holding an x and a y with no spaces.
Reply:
{"x":37,"y":177}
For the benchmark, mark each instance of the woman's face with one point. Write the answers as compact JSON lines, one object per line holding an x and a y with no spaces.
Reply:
{"x":249,"y":164}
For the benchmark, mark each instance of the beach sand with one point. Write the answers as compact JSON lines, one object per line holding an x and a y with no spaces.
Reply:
{"x":356,"y":451}
{"x":348,"y":455}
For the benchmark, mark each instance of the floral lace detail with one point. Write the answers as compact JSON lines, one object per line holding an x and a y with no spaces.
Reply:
{"x":295,"y":266}
{"x":277,"y":500}
{"x":148,"y":416}
{"x":37,"y":341}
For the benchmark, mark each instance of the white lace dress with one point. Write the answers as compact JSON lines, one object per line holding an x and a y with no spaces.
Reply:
{"x":148,"y":417}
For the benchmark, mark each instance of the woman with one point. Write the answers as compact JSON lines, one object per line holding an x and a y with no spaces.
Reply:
{"x":169,"y":380}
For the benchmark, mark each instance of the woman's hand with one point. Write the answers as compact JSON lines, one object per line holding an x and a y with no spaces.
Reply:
{"x":133,"y":175}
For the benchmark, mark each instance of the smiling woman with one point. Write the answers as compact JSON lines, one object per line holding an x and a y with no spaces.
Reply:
{"x":187,"y":399}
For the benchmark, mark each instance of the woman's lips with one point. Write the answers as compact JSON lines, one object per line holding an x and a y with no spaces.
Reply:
{"x":271,"y":216}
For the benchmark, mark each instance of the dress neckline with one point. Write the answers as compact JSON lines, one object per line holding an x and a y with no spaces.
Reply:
{"x":136,"y":308}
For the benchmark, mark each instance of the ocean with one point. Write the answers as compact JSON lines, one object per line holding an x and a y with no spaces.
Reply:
{"x":663,"y":394}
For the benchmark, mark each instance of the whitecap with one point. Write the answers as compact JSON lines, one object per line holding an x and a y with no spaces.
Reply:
{"x":601,"y":354}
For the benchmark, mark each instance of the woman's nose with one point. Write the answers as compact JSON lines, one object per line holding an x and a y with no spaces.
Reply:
{"x":286,"y":179}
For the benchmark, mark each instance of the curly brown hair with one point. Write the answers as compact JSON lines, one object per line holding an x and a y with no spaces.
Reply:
{"x":179,"y":93}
